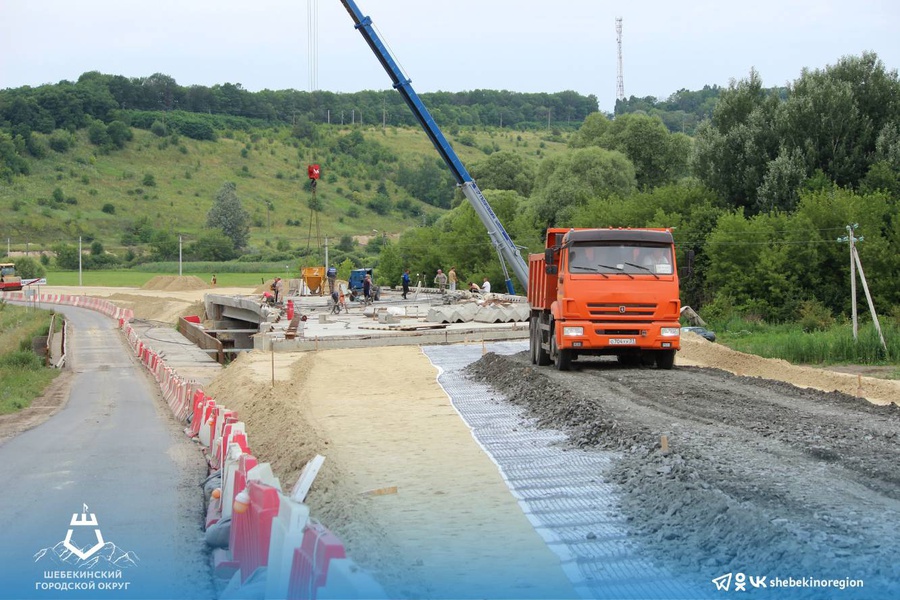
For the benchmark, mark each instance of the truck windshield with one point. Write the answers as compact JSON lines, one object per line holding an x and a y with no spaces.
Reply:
{"x":620,"y":258}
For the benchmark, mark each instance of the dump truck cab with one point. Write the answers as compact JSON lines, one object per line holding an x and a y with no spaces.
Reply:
{"x":605,"y":292}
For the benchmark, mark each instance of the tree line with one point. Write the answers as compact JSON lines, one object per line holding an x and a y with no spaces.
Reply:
{"x":758,"y":198}
{"x":758,"y":195}
{"x":70,"y":105}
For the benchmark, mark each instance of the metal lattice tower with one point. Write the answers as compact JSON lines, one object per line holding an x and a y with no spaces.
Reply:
{"x":620,"y":79}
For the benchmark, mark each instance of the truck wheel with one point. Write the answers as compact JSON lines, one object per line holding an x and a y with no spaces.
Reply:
{"x":665,"y":359}
{"x":543,"y":357}
{"x":562,"y":358}
{"x":532,"y":343}
{"x":629,"y":359}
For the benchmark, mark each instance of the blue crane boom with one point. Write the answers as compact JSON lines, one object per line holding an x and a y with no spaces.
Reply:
{"x":506,"y":249}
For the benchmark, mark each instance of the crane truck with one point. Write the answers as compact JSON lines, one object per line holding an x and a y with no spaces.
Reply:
{"x":592,"y":291}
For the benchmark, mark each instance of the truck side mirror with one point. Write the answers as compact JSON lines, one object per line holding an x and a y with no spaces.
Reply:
{"x":687,"y":271}
{"x":550,"y":262}
{"x":550,"y":267}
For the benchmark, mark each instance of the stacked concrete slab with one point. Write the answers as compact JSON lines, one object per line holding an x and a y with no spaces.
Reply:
{"x":468,"y":312}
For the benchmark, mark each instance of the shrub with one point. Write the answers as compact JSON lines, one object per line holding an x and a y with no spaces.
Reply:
{"x":815,"y":316}
{"x":60,"y":141}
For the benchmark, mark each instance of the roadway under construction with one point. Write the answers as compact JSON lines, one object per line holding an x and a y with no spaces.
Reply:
{"x":458,"y":460}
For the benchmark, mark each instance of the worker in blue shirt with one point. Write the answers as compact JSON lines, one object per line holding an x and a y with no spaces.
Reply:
{"x":405,"y":280}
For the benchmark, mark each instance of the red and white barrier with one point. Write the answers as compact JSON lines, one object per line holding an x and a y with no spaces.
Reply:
{"x":304,"y":560}
{"x":309,"y":568}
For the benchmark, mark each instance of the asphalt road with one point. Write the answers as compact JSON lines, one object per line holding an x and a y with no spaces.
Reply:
{"x":115,"y":449}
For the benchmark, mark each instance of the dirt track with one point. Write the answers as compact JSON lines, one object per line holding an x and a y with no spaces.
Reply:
{"x":761,"y":477}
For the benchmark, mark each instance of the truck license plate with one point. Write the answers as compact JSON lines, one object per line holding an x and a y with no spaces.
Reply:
{"x":622,"y":341}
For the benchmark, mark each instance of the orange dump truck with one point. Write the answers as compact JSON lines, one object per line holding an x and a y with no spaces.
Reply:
{"x":605,"y":292}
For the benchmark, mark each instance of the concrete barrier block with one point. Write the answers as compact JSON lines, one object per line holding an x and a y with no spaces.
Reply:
{"x":287,"y":534}
{"x":347,"y":580}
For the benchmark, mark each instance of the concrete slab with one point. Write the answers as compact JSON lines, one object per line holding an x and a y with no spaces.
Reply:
{"x":389,"y":321}
{"x":178,"y":352}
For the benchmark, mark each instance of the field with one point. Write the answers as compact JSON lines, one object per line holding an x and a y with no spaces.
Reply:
{"x":136,"y":279}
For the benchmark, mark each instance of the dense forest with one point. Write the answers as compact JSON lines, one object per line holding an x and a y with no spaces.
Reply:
{"x":758,"y":183}
{"x":70,"y":104}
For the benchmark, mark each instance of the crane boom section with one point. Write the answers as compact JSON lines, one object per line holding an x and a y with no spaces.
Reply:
{"x":499,"y":237}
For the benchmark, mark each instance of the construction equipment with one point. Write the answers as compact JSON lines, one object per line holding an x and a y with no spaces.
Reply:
{"x":357,"y":277}
{"x":605,"y":292}
{"x":624,"y":302}
{"x":506,"y":249}
{"x":9,"y":281}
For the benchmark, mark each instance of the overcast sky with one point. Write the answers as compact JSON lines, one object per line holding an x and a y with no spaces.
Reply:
{"x":454,"y":45}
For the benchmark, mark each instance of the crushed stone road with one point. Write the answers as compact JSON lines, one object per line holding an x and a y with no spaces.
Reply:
{"x":760,"y":477}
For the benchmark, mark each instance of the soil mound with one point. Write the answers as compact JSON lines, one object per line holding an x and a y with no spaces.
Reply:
{"x":175,"y":283}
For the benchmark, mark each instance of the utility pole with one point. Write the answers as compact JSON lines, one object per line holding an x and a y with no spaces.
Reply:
{"x":620,"y":78}
{"x":179,"y":256}
{"x":856,"y":263}
{"x":79,"y":261}
{"x":852,"y":239}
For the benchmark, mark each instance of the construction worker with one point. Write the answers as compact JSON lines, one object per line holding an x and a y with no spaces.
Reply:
{"x":405,"y":280}
{"x":331,"y":273}
{"x":367,"y":289}
{"x":451,"y":277}
{"x":277,"y":288}
{"x":440,"y":280}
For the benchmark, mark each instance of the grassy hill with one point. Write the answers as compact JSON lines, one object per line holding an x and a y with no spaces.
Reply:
{"x":171,"y":182}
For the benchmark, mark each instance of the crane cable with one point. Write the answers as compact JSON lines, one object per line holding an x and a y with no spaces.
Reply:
{"x":312,"y":43}
{"x":312,"y":48}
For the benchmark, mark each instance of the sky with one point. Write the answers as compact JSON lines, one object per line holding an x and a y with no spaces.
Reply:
{"x":456,"y":45}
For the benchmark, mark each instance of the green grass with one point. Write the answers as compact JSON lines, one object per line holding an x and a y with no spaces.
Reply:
{"x":23,"y":376}
{"x":188,"y":175}
{"x":226,"y":276}
{"x":831,"y":347}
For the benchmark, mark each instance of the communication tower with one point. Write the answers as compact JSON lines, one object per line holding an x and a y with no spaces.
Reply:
{"x":620,"y":79}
